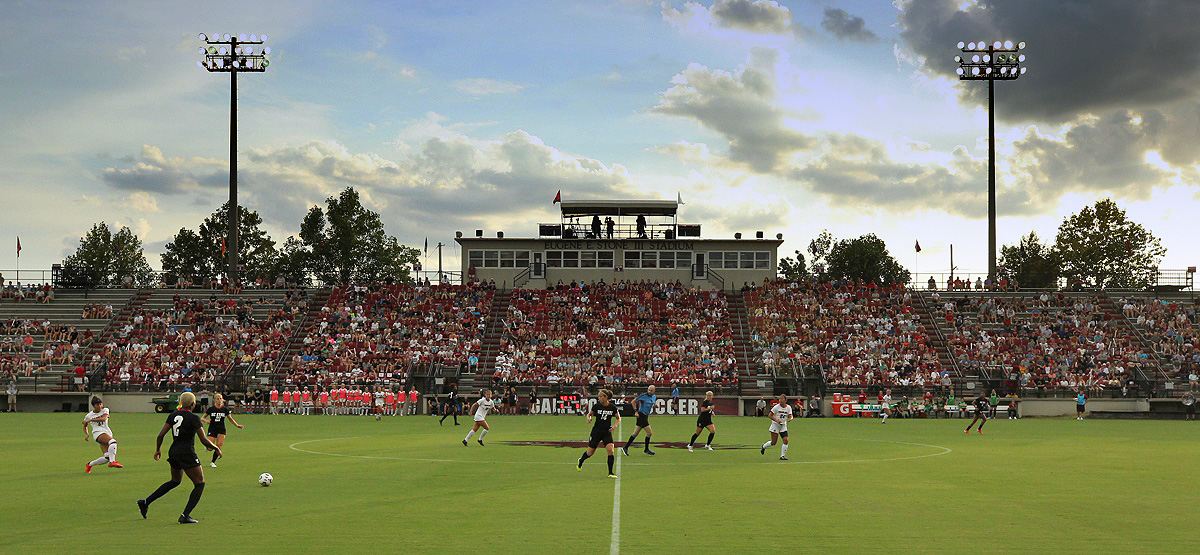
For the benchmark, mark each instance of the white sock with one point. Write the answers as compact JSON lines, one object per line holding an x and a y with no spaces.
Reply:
{"x":885,"y":418}
{"x":99,"y":461}
{"x":767,"y":444}
{"x":481,"y":434}
{"x":112,"y":451}
{"x":471,"y":433}
{"x":784,"y":452}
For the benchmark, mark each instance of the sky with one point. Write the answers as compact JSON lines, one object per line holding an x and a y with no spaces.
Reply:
{"x":788,"y":117}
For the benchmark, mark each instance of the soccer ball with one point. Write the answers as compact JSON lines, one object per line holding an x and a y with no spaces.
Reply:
{"x":378,"y":418}
{"x":265,"y":479}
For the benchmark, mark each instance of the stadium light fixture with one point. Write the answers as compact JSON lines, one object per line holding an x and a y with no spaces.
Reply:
{"x":232,"y":55}
{"x":1000,"y":60}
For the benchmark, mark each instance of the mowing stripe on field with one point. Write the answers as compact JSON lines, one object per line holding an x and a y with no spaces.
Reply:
{"x":944,"y":451}
{"x":615,"y":544}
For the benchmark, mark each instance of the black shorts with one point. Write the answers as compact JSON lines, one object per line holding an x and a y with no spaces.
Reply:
{"x":703,"y":421}
{"x":783,"y":433}
{"x":600,"y":438}
{"x":184,"y":462}
{"x":1191,"y":409}
{"x":643,"y":420}
{"x":214,"y":430}
{"x":1079,"y":408}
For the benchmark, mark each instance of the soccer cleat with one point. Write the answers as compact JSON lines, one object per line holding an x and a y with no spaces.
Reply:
{"x":87,"y":468}
{"x":115,"y":464}
{"x":214,"y":465}
{"x":480,"y":442}
{"x":762,"y":451}
{"x":625,"y":450}
{"x":708,"y":447}
{"x":689,"y":448}
{"x":649,"y":452}
{"x":612,"y":475}
{"x":185,"y":519}
{"x":579,"y":466}
{"x":464,"y":443}
{"x":967,"y":431}
{"x":782,"y":458}
{"x":143,"y":506}
{"x":981,"y":431}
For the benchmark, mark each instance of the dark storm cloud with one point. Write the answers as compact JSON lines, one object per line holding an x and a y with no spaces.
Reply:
{"x":156,"y":174}
{"x":1084,"y":56}
{"x":847,"y":27}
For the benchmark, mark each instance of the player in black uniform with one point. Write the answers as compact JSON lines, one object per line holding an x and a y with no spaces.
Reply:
{"x":704,"y":421}
{"x":185,"y":427}
{"x":603,"y":413}
{"x":982,"y":406}
{"x":215,"y":417}
{"x":450,"y":405}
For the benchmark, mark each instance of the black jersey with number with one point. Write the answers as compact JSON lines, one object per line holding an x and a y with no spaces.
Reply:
{"x":217,"y":416}
{"x":982,"y":405}
{"x":602,"y":416}
{"x":184,"y":425}
{"x":705,"y":415}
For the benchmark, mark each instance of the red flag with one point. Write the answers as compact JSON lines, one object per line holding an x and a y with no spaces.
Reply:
{"x":557,"y":198}
{"x":18,"y":247}
{"x":222,"y":246}
{"x":918,"y":246}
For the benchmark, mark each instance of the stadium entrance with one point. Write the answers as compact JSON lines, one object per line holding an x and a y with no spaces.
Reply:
{"x":607,"y":241}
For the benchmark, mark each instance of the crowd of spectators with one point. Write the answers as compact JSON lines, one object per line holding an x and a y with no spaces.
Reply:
{"x":21,"y":293}
{"x":196,"y":340}
{"x":1171,"y":328}
{"x":1042,"y":341}
{"x":372,"y":334}
{"x":859,"y":334}
{"x":623,"y":333}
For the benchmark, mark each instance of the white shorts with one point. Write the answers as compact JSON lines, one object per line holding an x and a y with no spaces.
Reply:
{"x":480,"y":418}
{"x":777,"y":428}
{"x":96,"y":434}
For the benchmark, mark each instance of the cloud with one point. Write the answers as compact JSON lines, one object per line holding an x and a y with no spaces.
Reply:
{"x":484,"y":87}
{"x":141,"y":201}
{"x":742,"y":106}
{"x":847,"y":27}
{"x":156,"y":173}
{"x":764,"y":17}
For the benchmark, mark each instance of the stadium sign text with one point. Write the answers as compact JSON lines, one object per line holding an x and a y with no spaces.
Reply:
{"x":614,"y":244}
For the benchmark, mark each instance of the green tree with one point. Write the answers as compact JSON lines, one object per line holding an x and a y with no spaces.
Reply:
{"x":793,"y":269}
{"x":347,"y":243}
{"x":866,"y":259}
{"x":292,"y":261}
{"x":819,"y":250}
{"x":197,"y":255}
{"x":110,"y":257}
{"x":1100,"y":247}
{"x":1030,"y":262}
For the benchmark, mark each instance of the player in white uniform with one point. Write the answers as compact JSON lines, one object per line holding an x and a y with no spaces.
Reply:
{"x":481,"y":407}
{"x":102,"y":434}
{"x":886,"y":409}
{"x":780,"y":414}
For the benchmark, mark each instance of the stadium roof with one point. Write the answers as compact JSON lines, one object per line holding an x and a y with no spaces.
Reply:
{"x":619,"y":208}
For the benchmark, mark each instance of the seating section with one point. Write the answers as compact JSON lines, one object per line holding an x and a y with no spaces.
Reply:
{"x":858,"y":335}
{"x":1172,"y":328}
{"x":631,"y":333}
{"x":377,"y":333}
{"x":1042,"y":341}
{"x":187,"y":336}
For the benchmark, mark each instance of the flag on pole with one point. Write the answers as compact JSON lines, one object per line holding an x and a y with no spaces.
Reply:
{"x":918,"y":246}
{"x":18,"y":247}
{"x":222,"y":247}
{"x":426,"y":245}
{"x":557,"y":198}
{"x":679,"y":197}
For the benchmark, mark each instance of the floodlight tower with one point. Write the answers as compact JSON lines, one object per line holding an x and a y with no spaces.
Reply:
{"x":991,"y":62}
{"x":233,"y":55}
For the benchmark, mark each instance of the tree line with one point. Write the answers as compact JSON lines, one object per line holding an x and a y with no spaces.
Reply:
{"x":1097,"y":247}
{"x":342,"y":242}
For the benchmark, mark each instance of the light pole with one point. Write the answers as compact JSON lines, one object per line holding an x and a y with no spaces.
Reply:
{"x":981,"y":61}
{"x":233,"y":55}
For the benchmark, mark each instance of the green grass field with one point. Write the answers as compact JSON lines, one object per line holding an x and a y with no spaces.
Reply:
{"x":407,"y":484}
